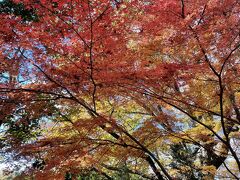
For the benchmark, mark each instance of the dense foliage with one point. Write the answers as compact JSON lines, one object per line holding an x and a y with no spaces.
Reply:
{"x":121,"y":89}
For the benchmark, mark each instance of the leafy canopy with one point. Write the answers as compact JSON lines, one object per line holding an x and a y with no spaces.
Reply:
{"x":121,"y":89}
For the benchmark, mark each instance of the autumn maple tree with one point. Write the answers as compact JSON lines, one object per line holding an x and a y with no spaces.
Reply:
{"x":121,"y":89}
